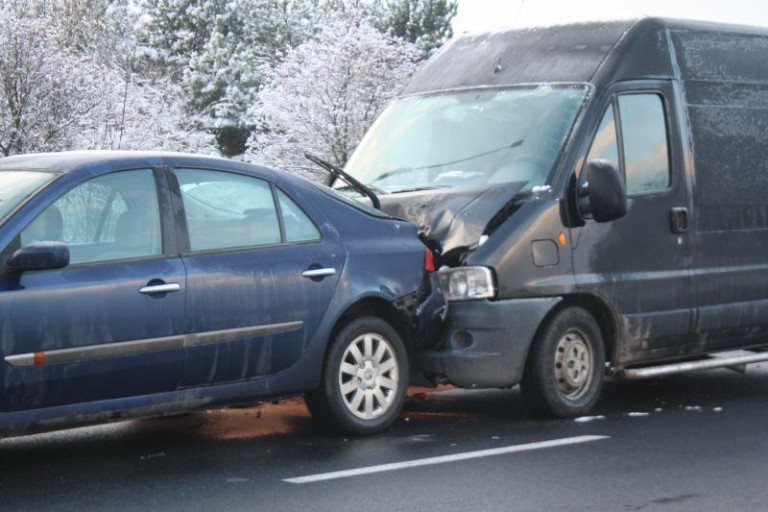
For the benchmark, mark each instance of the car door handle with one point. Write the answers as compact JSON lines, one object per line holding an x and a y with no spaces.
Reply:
{"x":160,"y":288}
{"x":678,"y":220}
{"x":319,"y":272}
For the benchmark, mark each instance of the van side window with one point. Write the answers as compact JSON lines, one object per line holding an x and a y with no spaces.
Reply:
{"x":605,"y":146}
{"x":644,"y":138}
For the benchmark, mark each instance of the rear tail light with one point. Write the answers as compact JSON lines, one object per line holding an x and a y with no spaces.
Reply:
{"x":429,"y":260}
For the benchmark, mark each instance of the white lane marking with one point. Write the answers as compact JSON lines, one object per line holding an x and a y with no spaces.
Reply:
{"x":443,"y":459}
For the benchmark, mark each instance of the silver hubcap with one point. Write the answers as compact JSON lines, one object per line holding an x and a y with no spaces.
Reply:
{"x":573,"y":364}
{"x":368,"y":376}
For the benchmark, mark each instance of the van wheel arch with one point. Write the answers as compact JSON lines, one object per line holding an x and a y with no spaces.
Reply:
{"x":564,"y":370}
{"x":603,"y":314}
{"x":579,"y":328}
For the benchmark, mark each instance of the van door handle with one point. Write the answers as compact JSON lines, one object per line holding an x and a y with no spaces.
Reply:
{"x":678,"y":220}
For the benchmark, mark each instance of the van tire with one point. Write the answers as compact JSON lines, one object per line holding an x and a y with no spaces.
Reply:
{"x":364,"y":380}
{"x":564,"y":371}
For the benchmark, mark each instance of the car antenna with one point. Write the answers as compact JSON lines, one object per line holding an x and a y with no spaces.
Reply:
{"x":337,"y":172}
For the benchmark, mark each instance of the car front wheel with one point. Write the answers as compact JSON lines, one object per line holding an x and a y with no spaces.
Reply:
{"x":364,"y":380}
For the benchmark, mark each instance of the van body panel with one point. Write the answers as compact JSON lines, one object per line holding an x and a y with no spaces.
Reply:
{"x":552,"y":54}
{"x":517,"y":275}
{"x":725,"y":79}
{"x":455,"y":219}
{"x":684,"y":272}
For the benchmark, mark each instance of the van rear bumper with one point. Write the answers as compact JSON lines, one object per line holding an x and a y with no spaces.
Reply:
{"x":485,"y":343}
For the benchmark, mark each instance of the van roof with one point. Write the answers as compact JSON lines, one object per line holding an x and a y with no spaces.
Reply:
{"x":595,"y":52}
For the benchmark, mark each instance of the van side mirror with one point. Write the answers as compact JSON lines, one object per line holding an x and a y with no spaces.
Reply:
{"x":39,"y":256}
{"x":603,"y":195}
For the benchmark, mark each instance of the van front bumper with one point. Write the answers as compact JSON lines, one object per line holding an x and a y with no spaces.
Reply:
{"x":485,"y":343}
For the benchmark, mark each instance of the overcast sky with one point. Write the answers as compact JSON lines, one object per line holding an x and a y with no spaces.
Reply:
{"x":485,"y":15}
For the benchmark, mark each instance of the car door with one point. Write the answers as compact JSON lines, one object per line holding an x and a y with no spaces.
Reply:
{"x":108,"y":324}
{"x":260,"y":275}
{"x":640,"y":263}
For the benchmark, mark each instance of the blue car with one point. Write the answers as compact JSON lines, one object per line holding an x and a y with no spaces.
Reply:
{"x":146,"y":284}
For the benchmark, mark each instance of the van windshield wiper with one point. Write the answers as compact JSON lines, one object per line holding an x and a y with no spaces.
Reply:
{"x":337,"y":172}
{"x":401,"y":170}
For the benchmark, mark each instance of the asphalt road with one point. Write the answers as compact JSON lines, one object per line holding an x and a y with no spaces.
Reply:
{"x":699,"y":442}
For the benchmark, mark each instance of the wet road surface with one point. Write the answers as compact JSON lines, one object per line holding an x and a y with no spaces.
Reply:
{"x":690,"y":442}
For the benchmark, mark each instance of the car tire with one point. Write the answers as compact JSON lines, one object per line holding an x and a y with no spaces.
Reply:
{"x":564,"y":371}
{"x":364,"y":379}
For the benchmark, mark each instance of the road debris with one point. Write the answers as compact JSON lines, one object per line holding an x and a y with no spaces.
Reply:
{"x":587,"y":419}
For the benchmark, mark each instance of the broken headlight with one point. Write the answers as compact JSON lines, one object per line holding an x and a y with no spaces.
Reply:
{"x":467,"y":283}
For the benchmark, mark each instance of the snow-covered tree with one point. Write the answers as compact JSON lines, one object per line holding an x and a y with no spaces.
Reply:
{"x":41,"y":98}
{"x":58,"y":92}
{"x":164,"y":73}
{"x":426,"y":23}
{"x":326,"y":93}
{"x":219,"y":48}
{"x":140,"y":114}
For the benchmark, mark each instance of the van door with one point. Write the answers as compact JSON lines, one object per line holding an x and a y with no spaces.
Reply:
{"x":640,"y":263}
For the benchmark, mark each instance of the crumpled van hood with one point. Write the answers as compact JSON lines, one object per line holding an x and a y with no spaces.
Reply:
{"x":451,"y":219}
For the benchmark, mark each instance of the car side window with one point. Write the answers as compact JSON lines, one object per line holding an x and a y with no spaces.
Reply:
{"x":227,"y":210}
{"x":109,"y":217}
{"x":298,"y":227}
{"x":644,"y":139}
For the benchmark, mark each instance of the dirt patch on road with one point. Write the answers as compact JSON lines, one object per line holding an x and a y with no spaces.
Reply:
{"x":287,"y":416}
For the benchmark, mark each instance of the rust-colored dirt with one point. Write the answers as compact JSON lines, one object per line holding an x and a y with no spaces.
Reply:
{"x":269,"y":418}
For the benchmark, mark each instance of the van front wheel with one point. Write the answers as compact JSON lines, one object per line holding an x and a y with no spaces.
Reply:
{"x":564,"y":372}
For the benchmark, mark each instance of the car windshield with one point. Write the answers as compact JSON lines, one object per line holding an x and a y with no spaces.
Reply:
{"x":467,"y":138}
{"x":16,"y":186}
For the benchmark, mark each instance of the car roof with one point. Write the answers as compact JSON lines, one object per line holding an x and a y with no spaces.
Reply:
{"x":103,"y":161}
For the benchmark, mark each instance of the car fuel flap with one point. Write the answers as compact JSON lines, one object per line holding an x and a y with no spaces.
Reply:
{"x":451,"y":219}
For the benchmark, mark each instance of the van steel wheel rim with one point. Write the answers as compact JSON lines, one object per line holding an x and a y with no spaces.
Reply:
{"x":368,"y":376}
{"x":573,"y":364}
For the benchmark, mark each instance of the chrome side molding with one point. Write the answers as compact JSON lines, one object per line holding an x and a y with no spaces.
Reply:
{"x":144,"y":346}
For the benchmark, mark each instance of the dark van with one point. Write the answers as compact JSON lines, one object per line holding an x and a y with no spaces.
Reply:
{"x":597,"y":197}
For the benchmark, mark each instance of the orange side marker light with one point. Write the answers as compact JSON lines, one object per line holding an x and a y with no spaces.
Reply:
{"x":561,"y":239}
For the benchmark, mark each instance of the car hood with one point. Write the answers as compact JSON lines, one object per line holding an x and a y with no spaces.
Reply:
{"x":451,"y":220}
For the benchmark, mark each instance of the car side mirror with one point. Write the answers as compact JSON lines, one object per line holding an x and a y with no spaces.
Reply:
{"x":603,"y":195}
{"x":39,"y":256}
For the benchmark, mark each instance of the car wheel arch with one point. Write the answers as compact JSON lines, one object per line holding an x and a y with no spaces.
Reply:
{"x":378,"y":307}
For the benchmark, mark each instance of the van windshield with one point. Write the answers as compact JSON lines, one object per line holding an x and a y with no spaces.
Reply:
{"x":467,"y":138}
